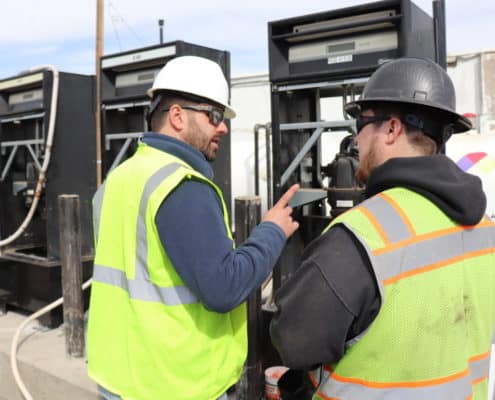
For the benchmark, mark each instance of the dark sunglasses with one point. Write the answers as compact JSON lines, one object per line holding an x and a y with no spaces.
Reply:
{"x":215,"y":115}
{"x":362,"y":121}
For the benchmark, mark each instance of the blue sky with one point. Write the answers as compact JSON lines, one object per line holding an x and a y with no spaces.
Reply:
{"x":62,"y":32}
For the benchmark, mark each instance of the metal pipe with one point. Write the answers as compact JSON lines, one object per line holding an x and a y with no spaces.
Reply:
{"x":345,"y":94}
{"x":316,"y":171}
{"x":276,"y":144}
{"x":299,"y":157}
{"x":439,"y":33}
{"x":269,"y":183}
{"x":99,"y":52}
{"x":257,"y":128}
{"x":160,"y":24}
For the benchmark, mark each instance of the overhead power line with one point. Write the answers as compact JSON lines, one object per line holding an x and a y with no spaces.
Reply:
{"x":117,"y":18}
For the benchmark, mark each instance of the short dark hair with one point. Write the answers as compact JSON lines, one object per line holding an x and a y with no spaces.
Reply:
{"x":158,"y":117}
{"x":168,"y":98}
{"x":421,"y":131}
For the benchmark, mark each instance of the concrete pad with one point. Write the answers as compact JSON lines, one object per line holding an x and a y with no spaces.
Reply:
{"x":45,"y":370}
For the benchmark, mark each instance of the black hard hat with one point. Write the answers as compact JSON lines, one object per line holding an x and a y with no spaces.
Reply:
{"x":418,"y":82}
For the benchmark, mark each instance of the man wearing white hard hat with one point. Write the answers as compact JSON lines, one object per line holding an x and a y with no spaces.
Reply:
{"x":167,"y":318}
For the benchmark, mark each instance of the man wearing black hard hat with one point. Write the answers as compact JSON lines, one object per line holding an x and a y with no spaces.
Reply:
{"x":395,"y":299}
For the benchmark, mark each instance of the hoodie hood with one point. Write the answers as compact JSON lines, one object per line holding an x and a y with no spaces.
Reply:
{"x":458,"y":194}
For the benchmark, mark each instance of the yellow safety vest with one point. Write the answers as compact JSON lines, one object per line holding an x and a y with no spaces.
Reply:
{"x":432,"y":336}
{"x":149,"y":337}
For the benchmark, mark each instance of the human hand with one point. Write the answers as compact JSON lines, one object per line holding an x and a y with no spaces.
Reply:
{"x":280,"y":213}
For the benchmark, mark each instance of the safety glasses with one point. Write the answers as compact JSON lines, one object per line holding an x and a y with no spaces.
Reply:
{"x":215,"y":115}
{"x":362,"y":121}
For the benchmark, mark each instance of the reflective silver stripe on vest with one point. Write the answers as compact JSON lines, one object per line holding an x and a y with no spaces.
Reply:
{"x":390,"y":220}
{"x":431,"y":251}
{"x":458,"y":388}
{"x":141,"y":288}
{"x":455,"y":389}
{"x":320,"y":374}
{"x":423,"y":253}
{"x":142,"y":234}
{"x":479,"y":369}
{"x":97,"y":204}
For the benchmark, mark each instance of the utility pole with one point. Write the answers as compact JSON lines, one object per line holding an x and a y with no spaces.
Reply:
{"x":99,"y":53}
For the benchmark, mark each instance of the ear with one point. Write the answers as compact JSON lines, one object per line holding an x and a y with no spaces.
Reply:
{"x":395,"y":130}
{"x":176,"y":118}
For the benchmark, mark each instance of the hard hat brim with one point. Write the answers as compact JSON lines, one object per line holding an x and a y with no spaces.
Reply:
{"x":229,"y":112}
{"x":458,"y":122}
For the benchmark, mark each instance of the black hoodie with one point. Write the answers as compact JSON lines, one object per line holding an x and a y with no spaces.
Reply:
{"x":333,"y":296}
{"x":456,"y":193}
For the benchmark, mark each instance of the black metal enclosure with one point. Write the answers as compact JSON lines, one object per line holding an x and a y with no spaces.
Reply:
{"x":30,"y":265}
{"x":318,"y":63}
{"x":323,"y":60}
{"x":125,"y":78}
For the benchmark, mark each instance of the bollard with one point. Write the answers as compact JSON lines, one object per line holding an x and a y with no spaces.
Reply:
{"x":70,"y":257}
{"x":247,"y":216}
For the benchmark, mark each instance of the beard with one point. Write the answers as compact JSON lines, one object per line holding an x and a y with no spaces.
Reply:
{"x":367,"y":163}
{"x":198,"y":139}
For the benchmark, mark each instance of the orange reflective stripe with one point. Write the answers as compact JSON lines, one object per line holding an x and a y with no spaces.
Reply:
{"x":440,"y":264}
{"x":376,"y":225}
{"x":476,"y":381}
{"x":313,"y":379}
{"x":399,"y":210}
{"x":468,"y":373}
{"x":480,"y":356}
{"x":444,"y":388}
{"x":428,"y":236}
{"x":389,"y":385}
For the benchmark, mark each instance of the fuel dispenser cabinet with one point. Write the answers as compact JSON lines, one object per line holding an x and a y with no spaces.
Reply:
{"x":125,"y":78}
{"x":319,"y":62}
{"x":45,"y":115}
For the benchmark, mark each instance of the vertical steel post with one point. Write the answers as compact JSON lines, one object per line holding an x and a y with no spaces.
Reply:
{"x":160,"y":24}
{"x":247,"y":216}
{"x":70,"y":257}
{"x":257,"y":128}
{"x":439,"y":32}
{"x":269,"y":183}
{"x":98,"y":54}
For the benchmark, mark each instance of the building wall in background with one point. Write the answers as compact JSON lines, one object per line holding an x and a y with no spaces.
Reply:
{"x":250,"y":97}
{"x":474,"y":79}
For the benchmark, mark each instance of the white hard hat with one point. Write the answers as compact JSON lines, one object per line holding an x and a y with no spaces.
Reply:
{"x":197,"y":76}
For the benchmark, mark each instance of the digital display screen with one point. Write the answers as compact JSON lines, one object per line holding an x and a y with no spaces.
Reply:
{"x":146,"y":77}
{"x":341,"y":47}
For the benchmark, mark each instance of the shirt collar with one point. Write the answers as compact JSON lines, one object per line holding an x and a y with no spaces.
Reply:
{"x":181,"y":150}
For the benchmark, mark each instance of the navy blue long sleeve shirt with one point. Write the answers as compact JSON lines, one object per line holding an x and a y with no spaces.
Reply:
{"x":191,"y":226}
